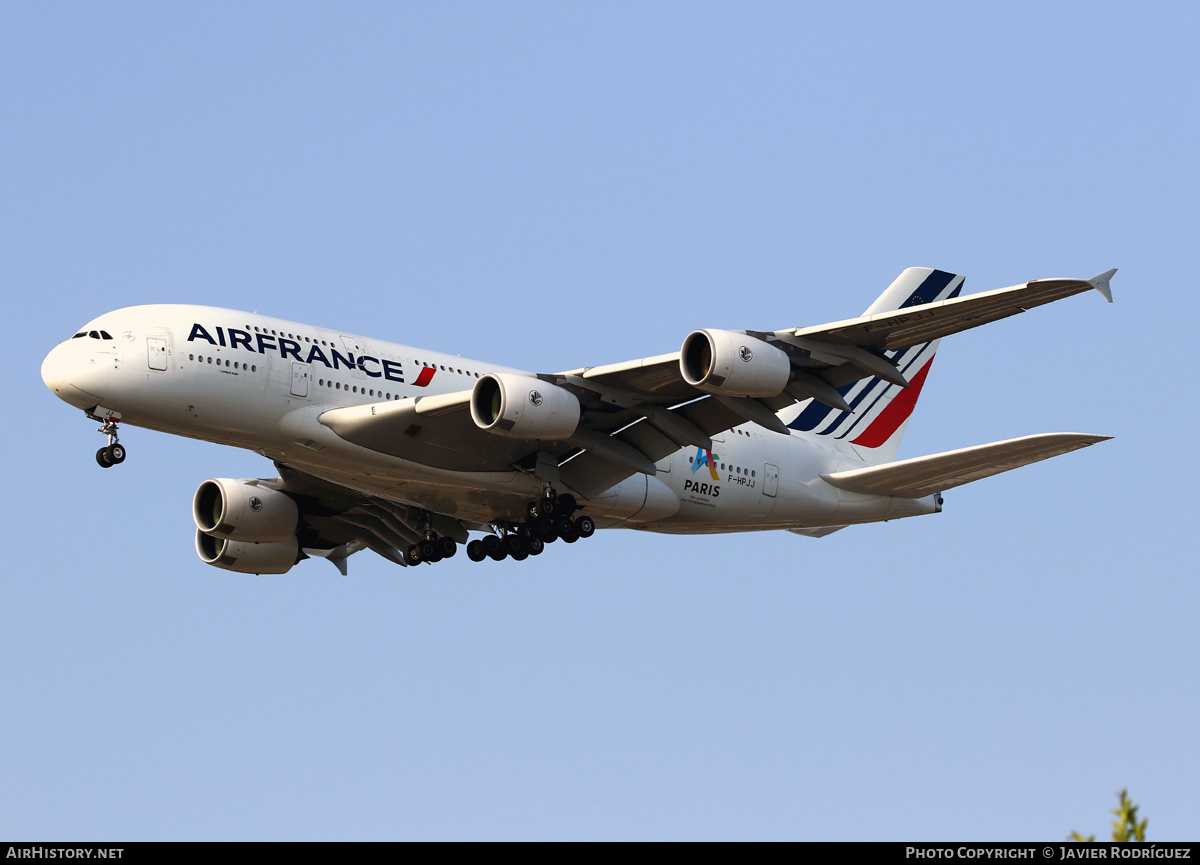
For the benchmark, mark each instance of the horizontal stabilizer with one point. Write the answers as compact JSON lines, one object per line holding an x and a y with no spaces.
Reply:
{"x":923,"y":476}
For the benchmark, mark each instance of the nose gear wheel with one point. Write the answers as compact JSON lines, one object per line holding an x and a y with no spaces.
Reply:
{"x":114,"y":453}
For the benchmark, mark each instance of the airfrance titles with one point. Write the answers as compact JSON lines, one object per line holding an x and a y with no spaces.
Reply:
{"x":262,"y":343}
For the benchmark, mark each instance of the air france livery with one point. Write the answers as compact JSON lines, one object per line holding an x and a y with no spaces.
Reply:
{"x":406,"y":451}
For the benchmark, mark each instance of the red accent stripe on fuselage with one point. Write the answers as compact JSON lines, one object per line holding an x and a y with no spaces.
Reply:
{"x":425,"y":377}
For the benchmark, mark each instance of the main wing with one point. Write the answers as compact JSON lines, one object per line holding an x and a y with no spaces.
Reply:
{"x":635,"y":413}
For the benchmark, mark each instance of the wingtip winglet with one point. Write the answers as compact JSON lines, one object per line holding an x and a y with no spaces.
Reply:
{"x":1100,"y":283}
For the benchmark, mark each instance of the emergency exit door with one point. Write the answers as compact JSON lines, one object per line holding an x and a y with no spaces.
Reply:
{"x":156,"y":352}
{"x":770,"y":480}
{"x":299,"y":378}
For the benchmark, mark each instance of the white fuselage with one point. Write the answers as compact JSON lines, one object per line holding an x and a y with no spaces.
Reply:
{"x":261,"y":383}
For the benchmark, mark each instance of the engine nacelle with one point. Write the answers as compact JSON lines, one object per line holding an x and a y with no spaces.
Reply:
{"x":524,"y":407}
{"x":238,"y":511}
{"x":245,"y":557}
{"x":734,"y":364}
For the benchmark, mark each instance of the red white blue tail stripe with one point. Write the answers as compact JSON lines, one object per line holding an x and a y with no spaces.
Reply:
{"x":879,"y":409}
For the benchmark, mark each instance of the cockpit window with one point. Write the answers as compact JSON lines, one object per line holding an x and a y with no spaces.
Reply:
{"x":94,"y":334}
{"x":104,"y":334}
{"x":81,"y":333}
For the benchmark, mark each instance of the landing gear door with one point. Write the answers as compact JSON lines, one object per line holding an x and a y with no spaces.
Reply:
{"x":770,"y":480}
{"x":156,"y":352}
{"x":299,"y":378}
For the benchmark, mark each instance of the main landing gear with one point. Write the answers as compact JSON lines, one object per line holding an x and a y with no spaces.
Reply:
{"x":110,"y":456}
{"x":433,"y":549}
{"x":548,"y":519}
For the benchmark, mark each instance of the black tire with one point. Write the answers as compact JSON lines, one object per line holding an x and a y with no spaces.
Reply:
{"x":585,"y":527}
{"x":447,"y":547}
{"x":102,"y":458}
{"x":492,"y":548}
{"x":542,"y":528}
{"x":535,"y":546}
{"x":429,"y":551}
{"x":566,"y":505}
{"x":412,"y":555}
{"x":513,"y":544}
{"x":116,"y":453}
{"x":571,"y":536}
{"x":563,"y":526}
{"x":546,"y":506}
{"x":475,"y":551}
{"x":519,"y":556}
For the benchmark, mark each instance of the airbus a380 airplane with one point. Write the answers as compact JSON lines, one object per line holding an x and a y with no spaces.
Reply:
{"x":406,"y":451}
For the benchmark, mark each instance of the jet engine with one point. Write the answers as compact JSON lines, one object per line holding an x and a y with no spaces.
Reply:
{"x":733,"y":364}
{"x":241,"y":511}
{"x":276,"y":557}
{"x":523,"y":407}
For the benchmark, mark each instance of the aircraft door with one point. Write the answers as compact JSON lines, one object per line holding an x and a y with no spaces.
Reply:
{"x":156,"y":352}
{"x":299,"y":378}
{"x":770,"y":480}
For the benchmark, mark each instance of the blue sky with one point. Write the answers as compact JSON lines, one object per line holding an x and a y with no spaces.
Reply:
{"x":558,"y":185}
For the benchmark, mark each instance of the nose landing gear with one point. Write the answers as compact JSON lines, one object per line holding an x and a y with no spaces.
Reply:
{"x":114,"y":453}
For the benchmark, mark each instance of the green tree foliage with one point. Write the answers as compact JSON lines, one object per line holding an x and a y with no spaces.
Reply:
{"x":1126,"y":827}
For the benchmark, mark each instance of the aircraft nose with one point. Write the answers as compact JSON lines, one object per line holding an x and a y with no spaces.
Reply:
{"x":63,"y":370}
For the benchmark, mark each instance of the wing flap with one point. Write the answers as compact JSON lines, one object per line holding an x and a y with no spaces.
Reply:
{"x":923,"y":476}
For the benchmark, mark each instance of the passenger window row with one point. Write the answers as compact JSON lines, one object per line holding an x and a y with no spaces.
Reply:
{"x":442,"y":367}
{"x":721,"y":467}
{"x":203,"y":359}
{"x":337,"y":385}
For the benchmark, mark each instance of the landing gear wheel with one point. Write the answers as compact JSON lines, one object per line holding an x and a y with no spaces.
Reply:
{"x":116,"y":453}
{"x":546,"y":506}
{"x":475,"y":551}
{"x":541,"y":528}
{"x":566,"y":505}
{"x":570,"y":537}
{"x":535,"y":546}
{"x":429,"y":551}
{"x":563,"y":526}
{"x":585,"y":527}
{"x":447,"y":547}
{"x":513,"y":544}
{"x":102,"y":458}
{"x":412,"y":555}
{"x":492,"y":548}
